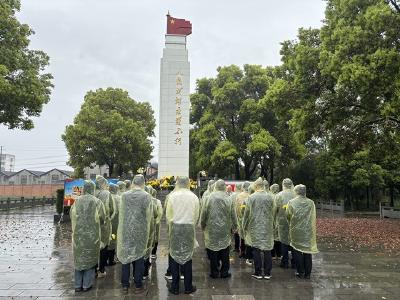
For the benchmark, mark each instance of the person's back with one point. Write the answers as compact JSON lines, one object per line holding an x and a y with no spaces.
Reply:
{"x":134,"y":224}
{"x":301,"y":216}
{"x":182,"y":214}
{"x":135,"y":217}
{"x":281,"y":200}
{"x":259,"y":220}
{"x":217,"y":220}
{"x":87,"y":213}
{"x":302,"y":226}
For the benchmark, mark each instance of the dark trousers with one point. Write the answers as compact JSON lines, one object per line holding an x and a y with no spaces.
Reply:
{"x":242,"y":248}
{"x":103,"y":259}
{"x":110,"y":257}
{"x":138,"y":270}
{"x":262,"y":260}
{"x":154,"y":251}
{"x":276,"y":251}
{"x":237,"y":241}
{"x":217,"y":257}
{"x":285,"y":256}
{"x":249,"y":252}
{"x":187,"y":272}
{"x":303,"y":262}
{"x":147,"y":265}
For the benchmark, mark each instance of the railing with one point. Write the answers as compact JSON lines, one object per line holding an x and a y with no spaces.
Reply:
{"x":330,"y":206}
{"x":13,"y":203}
{"x":389,"y":212}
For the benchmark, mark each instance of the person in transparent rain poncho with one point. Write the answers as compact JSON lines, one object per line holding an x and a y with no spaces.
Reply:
{"x":218,"y":219}
{"x":301,"y":217}
{"x":258,"y":227}
{"x":135,"y":216}
{"x":276,"y":252}
{"x":168,"y":275}
{"x":240,"y":205}
{"x":128,"y":184}
{"x":87,"y":213}
{"x":121,"y":187}
{"x":182,"y":213}
{"x":116,"y":198}
{"x":204,"y":197}
{"x":152,"y":230}
{"x":281,"y":200}
{"x":233,"y":197}
{"x":104,"y":195}
{"x":158,"y":204}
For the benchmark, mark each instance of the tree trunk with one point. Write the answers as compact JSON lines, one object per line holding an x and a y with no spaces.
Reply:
{"x":120,"y":170}
{"x":110,"y":169}
{"x":271,"y":173}
{"x":391,"y":196}
{"x":237,"y":170}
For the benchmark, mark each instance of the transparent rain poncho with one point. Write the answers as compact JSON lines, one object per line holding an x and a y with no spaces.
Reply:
{"x":128,"y":184}
{"x":281,"y":200}
{"x":301,"y":216}
{"x":135,"y":216}
{"x":274,"y":189}
{"x":266,"y":185}
{"x":182,"y":213}
{"x":258,"y":218}
{"x":152,"y":229}
{"x":218,"y":218}
{"x":209,"y":190}
{"x":158,"y":204}
{"x":104,"y":195}
{"x":240,"y":204}
{"x":86,"y":215}
{"x":121,"y":187}
{"x":114,"y":190}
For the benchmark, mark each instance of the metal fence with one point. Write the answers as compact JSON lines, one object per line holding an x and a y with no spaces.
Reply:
{"x":13,"y":203}
{"x":389,"y":212}
{"x":331,"y":206}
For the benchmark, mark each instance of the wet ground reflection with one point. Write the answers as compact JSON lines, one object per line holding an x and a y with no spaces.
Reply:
{"x":36,"y":262}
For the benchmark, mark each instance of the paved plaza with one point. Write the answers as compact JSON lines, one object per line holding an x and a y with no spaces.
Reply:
{"x":36,"y":263}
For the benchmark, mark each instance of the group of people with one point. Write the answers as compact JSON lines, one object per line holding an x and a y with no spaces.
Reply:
{"x":124,"y":219}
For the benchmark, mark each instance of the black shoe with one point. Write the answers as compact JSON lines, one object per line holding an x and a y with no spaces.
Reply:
{"x":214,"y":276}
{"x":307,"y":276}
{"x":175,"y":292}
{"x":78,"y":290}
{"x":257,"y":276}
{"x":299,"y":275}
{"x":87,"y":289}
{"x":125,"y":289}
{"x":194,"y":289}
{"x":227,"y":275}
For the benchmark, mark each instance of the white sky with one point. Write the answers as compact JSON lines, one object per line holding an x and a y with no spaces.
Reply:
{"x":118,"y":43}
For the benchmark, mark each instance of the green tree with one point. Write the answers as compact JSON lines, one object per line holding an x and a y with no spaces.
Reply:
{"x":227,"y":136}
{"x":111,"y":129}
{"x":24,"y":87}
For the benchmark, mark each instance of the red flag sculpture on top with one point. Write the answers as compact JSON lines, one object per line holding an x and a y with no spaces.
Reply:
{"x":178,"y":26}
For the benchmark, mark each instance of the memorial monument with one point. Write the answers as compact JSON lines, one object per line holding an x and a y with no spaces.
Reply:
{"x":173,"y":158}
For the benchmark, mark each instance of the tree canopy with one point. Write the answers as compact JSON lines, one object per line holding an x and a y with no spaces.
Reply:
{"x":328,"y":116}
{"x":111,"y":129}
{"x":24,"y":85}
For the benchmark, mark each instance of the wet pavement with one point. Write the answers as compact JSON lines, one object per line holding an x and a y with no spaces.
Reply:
{"x":36,"y":263}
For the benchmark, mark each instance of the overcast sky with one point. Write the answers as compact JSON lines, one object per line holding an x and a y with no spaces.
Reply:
{"x":102,"y":43}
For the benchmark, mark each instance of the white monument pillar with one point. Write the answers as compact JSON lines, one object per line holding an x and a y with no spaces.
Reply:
{"x":173,"y":157}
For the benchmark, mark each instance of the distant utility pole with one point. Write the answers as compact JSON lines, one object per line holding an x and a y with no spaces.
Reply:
{"x":1,"y":156}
